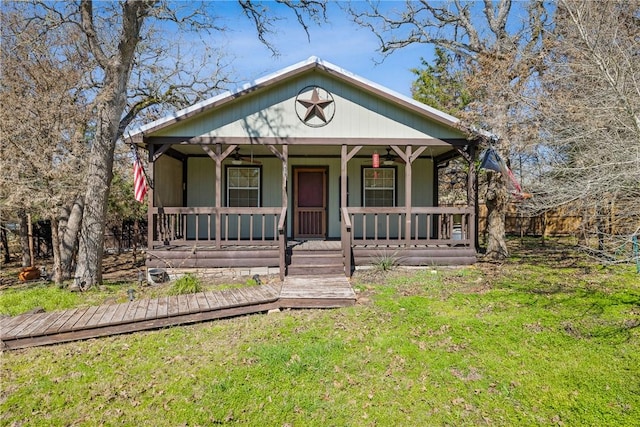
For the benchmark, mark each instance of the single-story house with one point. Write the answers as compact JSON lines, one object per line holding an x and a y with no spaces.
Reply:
{"x":311,"y":157}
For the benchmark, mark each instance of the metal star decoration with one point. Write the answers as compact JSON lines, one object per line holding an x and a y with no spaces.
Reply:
{"x":315,"y":106}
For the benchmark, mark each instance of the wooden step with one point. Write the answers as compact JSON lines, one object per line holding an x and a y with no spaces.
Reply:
{"x":318,"y":270}
{"x":316,"y":262}
{"x":315,"y":259}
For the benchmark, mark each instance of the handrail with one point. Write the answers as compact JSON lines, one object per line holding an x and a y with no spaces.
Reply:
{"x":282,"y":242}
{"x":283,"y":218}
{"x":346,"y":240}
{"x":346,"y":218}
{"x":224,"y":210}
{"x":414,"y":210}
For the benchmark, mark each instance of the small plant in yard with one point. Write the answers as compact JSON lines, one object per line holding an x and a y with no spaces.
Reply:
{"x":187,"y":284}
{"x":385,"y":261}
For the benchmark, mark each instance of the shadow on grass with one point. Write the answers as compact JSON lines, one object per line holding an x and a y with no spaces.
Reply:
{"x":591,"y":301}
{"x":609,"y":331}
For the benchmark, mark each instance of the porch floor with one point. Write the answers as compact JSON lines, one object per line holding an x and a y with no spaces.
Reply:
{"x":30,"y":330}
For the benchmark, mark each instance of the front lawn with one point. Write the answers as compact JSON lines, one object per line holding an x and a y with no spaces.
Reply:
{"x":539,"y":340}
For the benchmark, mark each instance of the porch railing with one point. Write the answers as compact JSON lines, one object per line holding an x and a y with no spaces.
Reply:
{"x":422,"y":226}
{"x":218,"y":227}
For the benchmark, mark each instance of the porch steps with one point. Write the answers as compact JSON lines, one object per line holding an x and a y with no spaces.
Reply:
{"x":315,"y":263}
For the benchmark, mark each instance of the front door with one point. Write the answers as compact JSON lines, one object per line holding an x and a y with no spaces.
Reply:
{"x":310,"y":202}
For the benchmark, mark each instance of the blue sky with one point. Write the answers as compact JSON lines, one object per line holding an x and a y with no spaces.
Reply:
{"x":339,"y":41}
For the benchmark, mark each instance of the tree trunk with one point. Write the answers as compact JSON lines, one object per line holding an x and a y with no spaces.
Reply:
{"x":600,"y":215}
{"x":4,"y":241}
{"x":496,"y":200}
{"x":24,"y":238}
{"x":99,"y":175}
{"x":68,"y":232}
{"x":134,"y":241}
{"x":55,"y":240}
{"x":32,"y":251}
{"x":110,"y":105}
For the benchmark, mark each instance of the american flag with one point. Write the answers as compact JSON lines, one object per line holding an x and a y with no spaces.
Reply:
{"x":139,"y":181}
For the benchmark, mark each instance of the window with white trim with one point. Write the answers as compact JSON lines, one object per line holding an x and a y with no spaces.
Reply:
{"x":378,"y":187}
{"x":243,"y":186}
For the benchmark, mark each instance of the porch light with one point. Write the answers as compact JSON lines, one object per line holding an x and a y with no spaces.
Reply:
{"x":376,"y":159}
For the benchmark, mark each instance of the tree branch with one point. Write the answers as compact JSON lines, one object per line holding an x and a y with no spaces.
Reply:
{"x":87,"y":25}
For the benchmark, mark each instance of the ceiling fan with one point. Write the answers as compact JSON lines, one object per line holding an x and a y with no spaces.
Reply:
{"x":237,"y":159}
{"x":389,"y":159}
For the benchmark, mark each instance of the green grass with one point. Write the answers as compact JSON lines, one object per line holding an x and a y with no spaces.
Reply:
{"x":187,"y":284}
{"x":533,"y":341}
{"x":18,"y":300}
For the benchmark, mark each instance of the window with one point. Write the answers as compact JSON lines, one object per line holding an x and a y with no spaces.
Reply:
{"x":379,"y":187}
{"x":243,"y":186}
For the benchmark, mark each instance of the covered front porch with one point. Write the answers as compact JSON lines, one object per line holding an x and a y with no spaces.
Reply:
{"x":220,"y":236}
{"x":309,"y":153}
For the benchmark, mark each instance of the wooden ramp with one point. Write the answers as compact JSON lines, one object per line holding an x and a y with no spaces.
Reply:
{"x":29,"y":330}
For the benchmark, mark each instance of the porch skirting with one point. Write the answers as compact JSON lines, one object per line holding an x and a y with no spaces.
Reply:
{"x":414,"y":255}
{"x":193,"y":257}
{"x":265,"y":260}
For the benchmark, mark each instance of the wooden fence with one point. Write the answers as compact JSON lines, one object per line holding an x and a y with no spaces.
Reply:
{"x":562,"y":222}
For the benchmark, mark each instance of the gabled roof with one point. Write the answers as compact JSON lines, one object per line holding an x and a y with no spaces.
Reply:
{"x":287,"y":73}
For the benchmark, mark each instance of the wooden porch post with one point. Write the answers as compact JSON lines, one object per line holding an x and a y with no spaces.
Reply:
{"x":218,"y":160}
{"x":285,"y":206}
{"x":472,"y":197}
{"x":282,"y":226}
{"x":218,"y":156}
{"x":150,"y":195}
{"x":408,"y":160}
{"x":343,"y":177}
{"x":284,"y":157}
{"x":408,"y":157}
{"x":345,"y":232}
{"x":407,"y":195}
{"x":345,"y":156}
{"x":285,"y":176}
{"x":346,"y":246}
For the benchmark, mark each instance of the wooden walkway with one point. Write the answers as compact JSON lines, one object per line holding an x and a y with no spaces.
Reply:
{"x":29,"y":330}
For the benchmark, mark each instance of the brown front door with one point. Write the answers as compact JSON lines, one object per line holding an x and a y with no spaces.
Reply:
{"x":310,"y":202}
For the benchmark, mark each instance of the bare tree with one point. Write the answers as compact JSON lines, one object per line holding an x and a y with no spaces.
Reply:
{"x":500,"y":47}
{"x":44,"y":116}
{"x":591,"y":126}
{"x":139,"y":68}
